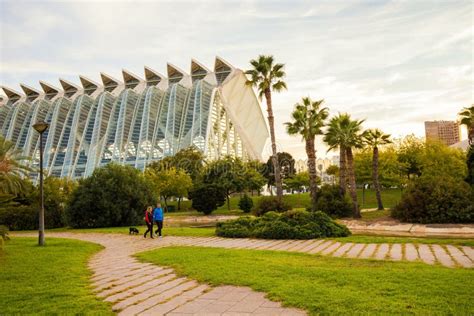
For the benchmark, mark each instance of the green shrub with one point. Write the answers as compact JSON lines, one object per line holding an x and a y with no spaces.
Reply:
{"x":246,"y":203}
{"x":330,"y":201}
{"x":270,"y":204}
{"x":21,"y":217}
{"x":436,"y":200}
{"x":287,"y":225}
{"x":206,"y":198}
{"x":113,"y":196}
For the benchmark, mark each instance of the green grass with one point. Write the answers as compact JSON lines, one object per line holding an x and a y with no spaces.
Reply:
{"x":374,"y":215}
{"x":390,"y":197}
{"x":325,"y":285}
{"x":47,"y":280}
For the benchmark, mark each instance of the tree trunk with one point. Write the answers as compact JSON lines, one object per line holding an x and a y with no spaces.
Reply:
{"x":342,"y":170}
{"x":179,"y":203}
{"x":228,"y":201}
{"x":313,"y":186}
{"x":276,"y":164}
{"x":375,"y":177}
{"x":352,"y":181}
{"x":165,"y":198}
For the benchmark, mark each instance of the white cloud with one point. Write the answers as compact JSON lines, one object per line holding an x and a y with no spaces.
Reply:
{"x":395,"y":63}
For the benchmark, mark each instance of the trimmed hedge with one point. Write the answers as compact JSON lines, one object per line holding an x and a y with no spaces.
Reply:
{"x":287,"y":225}
{"x":436,"y":200}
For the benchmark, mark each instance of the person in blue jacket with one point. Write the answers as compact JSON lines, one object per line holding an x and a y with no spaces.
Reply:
{"x":158,"y":217}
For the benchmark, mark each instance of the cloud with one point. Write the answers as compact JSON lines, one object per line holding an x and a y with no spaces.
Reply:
{"x":394,"y":63}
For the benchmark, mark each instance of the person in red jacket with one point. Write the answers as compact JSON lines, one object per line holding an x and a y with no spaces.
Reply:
{"x":149,"y":221}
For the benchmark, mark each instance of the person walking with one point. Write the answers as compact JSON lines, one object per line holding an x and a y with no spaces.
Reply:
{"x":149,"y":221}
{"x":158,"y":218}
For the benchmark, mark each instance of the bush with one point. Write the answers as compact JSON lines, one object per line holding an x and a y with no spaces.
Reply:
{"x":113,"y":196}
{"x":436,"y":200}
{"x":246,"y":203}
{"x":206,"y":198}
{"x":21,"y":217}
{"x":330,"y":201}
{"x":287,"y":225}
{"x":270,"y":204}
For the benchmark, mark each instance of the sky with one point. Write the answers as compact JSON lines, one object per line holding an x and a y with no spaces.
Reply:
{"x":395,"y":64}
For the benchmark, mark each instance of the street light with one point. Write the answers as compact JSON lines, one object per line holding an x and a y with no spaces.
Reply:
{"x":41,"y":127}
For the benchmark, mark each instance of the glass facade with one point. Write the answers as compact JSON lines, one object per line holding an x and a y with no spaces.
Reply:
{"x":133,"y":122}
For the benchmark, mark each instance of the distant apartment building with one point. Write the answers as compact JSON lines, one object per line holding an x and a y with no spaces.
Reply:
{"x":447,"y":132}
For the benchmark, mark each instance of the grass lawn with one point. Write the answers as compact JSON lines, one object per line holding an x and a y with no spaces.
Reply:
{"x":390,"y":197}
{"x":324,"y":285}
{"x":49,"y":280}
{"x":367,"y":239}
{"x":374,"y":215}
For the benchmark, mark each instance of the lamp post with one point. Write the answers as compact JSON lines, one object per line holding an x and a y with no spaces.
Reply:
{"x":41,"y":127}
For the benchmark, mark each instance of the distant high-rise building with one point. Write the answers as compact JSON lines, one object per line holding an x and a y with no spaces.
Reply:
{"x":444,"y":131}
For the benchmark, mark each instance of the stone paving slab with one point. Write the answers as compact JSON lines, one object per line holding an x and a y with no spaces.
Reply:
{"x":411,"y":253}
{"x":425,"y":254}
{"x":368,"y":252}
{"x":382,"y":251}
{"x":442,"y":256}
{"x":460,"y":257}
{"x":355,"y":250}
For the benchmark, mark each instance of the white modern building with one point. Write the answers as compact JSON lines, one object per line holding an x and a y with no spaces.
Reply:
{"x":136,"y":120}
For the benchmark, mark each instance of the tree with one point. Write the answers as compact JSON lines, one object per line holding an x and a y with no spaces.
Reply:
{"x":268,"y":76}
{"x":168,"y":183}
{"x":12,"y":167}
{"x":207,"y":197}
{"x":375,"y":138}
{"x":345,"y":133}
{"x":333,"y":171}
{"x":410,"y":150}
{"x":113,"y":195}
{"x":286,"y":164}
{"x":299,"y":181}
{"x":190,"y":159}
{"x":308,"y":120}
{"x":470,"y":166}
{"x":439,"y":160}
{"x":467,"y":119}
{"x":228,"y":173}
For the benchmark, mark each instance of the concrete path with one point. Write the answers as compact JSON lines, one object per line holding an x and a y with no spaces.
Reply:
{"x":392,"y":227}
{"x":137,"y":288}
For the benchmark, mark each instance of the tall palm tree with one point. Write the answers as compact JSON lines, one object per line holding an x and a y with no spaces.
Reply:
{"x":12,"y":167}
{"x":345,"y":133}
{"x":375,"y":138}
{"x":467,"y":118}
{"x":308,"y":120}
{"x":267,"y":76}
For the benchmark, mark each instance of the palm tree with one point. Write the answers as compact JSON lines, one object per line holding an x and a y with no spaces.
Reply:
{"x":467,"y":118}
{"x":267,"y":76}
{"x":308,"y":120}
{"x":12,"y":167}
{"x":375,"y":138}
{"x":345,"y":133}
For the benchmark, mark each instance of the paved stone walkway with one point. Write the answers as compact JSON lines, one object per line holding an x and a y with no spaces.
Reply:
{"x":137,"y":288}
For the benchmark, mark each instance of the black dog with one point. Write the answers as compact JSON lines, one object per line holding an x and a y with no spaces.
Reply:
{"x":133,"y":231}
